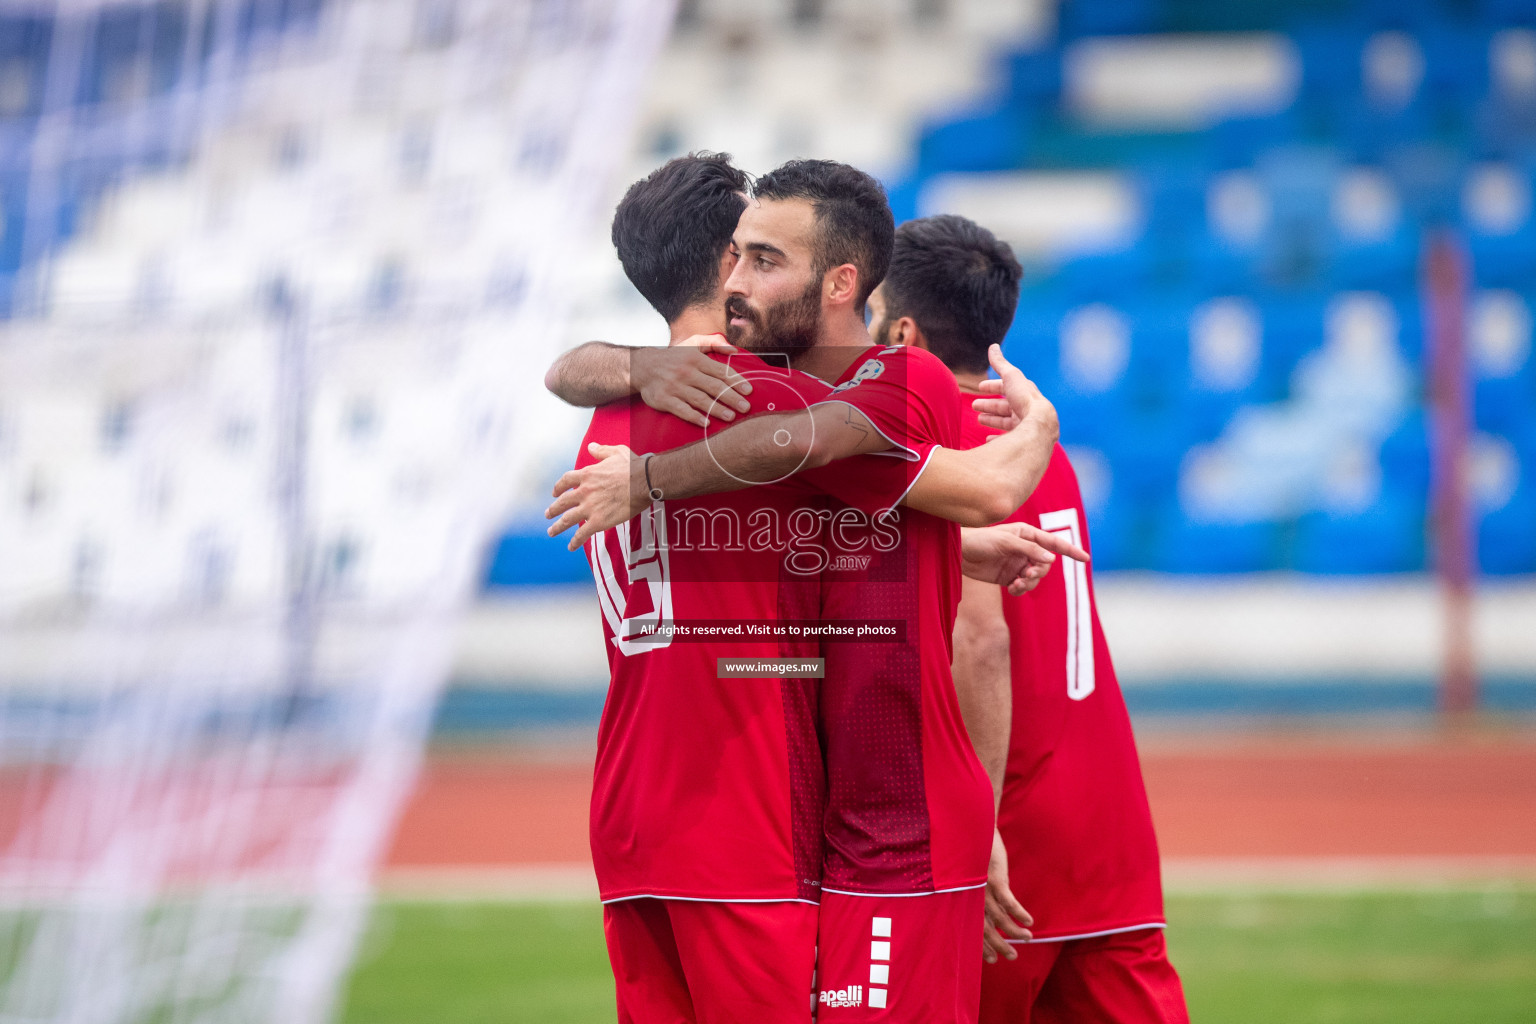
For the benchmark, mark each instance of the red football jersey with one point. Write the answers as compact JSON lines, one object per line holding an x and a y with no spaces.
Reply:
{"x":706,"y":787}
{"x":709,"y":787}
{"x":1082,"y":854}
{"x":909,"y":807}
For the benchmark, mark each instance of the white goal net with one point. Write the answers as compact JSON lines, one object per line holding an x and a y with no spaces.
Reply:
{"x":259,"y":410}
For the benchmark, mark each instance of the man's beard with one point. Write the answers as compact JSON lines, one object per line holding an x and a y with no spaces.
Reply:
{"x":788,"y":328}
{"x":882,"y":332}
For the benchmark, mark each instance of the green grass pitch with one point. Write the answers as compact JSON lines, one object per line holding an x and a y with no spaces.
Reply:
{"x":1356,"y":958}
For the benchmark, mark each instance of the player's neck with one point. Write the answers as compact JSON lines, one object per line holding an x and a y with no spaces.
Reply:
{"x":704,"y":319}
{"x":970,"y":383}
{"x":840,"y":341}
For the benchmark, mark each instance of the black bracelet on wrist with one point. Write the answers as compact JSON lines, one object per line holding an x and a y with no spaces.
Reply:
{"x":654,"y":494}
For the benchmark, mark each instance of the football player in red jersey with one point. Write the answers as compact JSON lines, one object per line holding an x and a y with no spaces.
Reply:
{"x":708,"y":851}
{"x":1039,"y":694}
{"x":909,"y":814}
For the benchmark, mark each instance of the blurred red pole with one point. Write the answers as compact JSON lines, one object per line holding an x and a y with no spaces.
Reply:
{"x":1444,"y":283}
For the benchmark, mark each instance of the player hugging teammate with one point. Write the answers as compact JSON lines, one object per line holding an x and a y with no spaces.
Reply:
{"x":828,"y":844}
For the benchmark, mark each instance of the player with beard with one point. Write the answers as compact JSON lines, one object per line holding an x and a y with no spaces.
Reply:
{"x":1041,"y":700}
{"x":707,"y":796}
{"x":909,"y":813}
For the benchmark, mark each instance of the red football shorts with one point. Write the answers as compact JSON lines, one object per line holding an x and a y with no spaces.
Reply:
{"x":896,"y":959}
{"x":694,"y":962}
{"x":1123,"y":978}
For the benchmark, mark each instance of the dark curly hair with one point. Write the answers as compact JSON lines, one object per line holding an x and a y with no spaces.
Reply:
{"x":672,"y":226}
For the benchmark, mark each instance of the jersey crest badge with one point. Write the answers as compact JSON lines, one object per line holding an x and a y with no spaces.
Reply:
{"x":870,"y":369}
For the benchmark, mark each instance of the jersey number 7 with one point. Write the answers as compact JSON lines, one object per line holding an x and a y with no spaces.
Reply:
{"x":1079,"y":605}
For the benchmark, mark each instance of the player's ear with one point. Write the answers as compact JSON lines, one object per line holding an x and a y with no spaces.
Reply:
{"x":841,"y":284}
{"x":906,"y":332}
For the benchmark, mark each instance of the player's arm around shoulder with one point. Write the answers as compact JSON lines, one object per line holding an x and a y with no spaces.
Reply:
{"x":687,"y":380}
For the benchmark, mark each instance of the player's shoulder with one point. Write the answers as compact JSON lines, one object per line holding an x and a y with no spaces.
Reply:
{"x":773,"y":376}
{"x":905,"y":366}
{"x":616,"y":416}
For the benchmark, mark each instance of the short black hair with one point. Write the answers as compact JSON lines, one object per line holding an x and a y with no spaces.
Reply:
{"x":959,"y":282}
{"x":672,"y":226}
{"x":852,"y":214}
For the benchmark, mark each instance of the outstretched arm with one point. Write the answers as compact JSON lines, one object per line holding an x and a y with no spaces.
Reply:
{"x":680,"y":379}
{"x":761,"y":450}
{"x":987,"y":484}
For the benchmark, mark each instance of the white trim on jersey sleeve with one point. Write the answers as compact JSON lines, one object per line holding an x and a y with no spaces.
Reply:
{"x":1090,"y":935}
{"x":708,"y":899}
{"x":915,"y":477}
{"x":904,"y":895}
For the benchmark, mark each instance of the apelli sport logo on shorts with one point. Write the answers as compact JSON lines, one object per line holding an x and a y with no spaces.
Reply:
{"x":853,"y":995}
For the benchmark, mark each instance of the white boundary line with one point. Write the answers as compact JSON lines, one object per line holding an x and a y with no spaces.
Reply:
{"x":1181,"y":876}
{"x":1195,"y":875}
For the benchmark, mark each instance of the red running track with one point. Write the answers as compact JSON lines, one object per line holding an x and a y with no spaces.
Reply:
{"x":1471,"y":795}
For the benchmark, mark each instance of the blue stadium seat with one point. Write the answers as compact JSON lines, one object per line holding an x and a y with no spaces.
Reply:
{"x":1389,"y":264}
{"x":1506,"y":538}
{"x":1112,"y":526}
{"x":1113,"y":540}
{"x":1098,"y":18}
{"x":13,"y":213}
{"x":995,"y":140}
{"x":1146,"y":451}
{"x":1105,"y":276}
{"x":1287,"y":256}
{"x":1387,"y":538}
{"x":1509,"y":12}
{"x":525,"y":555}
{"x":1503,"y":261}
{"x":1426,"y":171}
{"x":1032,"y":341}
{"x":1219,"y":265}
{"x":1207,"y":412}
{"x":1404,"y":457}
{"x":24,"y":43}
{"x":903,"y":194}
{"x":1172,"y":194}
{"x":1293,"y":327}
{"x":1183,"y":546}
{"x":265,"y":17}
{"x":1237,"y":141}
{"x":1160,"y":346}
{"x":1099,"y":421}
{"x":1455,"y":61}
{"x":1507,"y":405}
{"x":126,"y":36}
{"x":1033,"y":77}
{"x":1330,"y":59}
